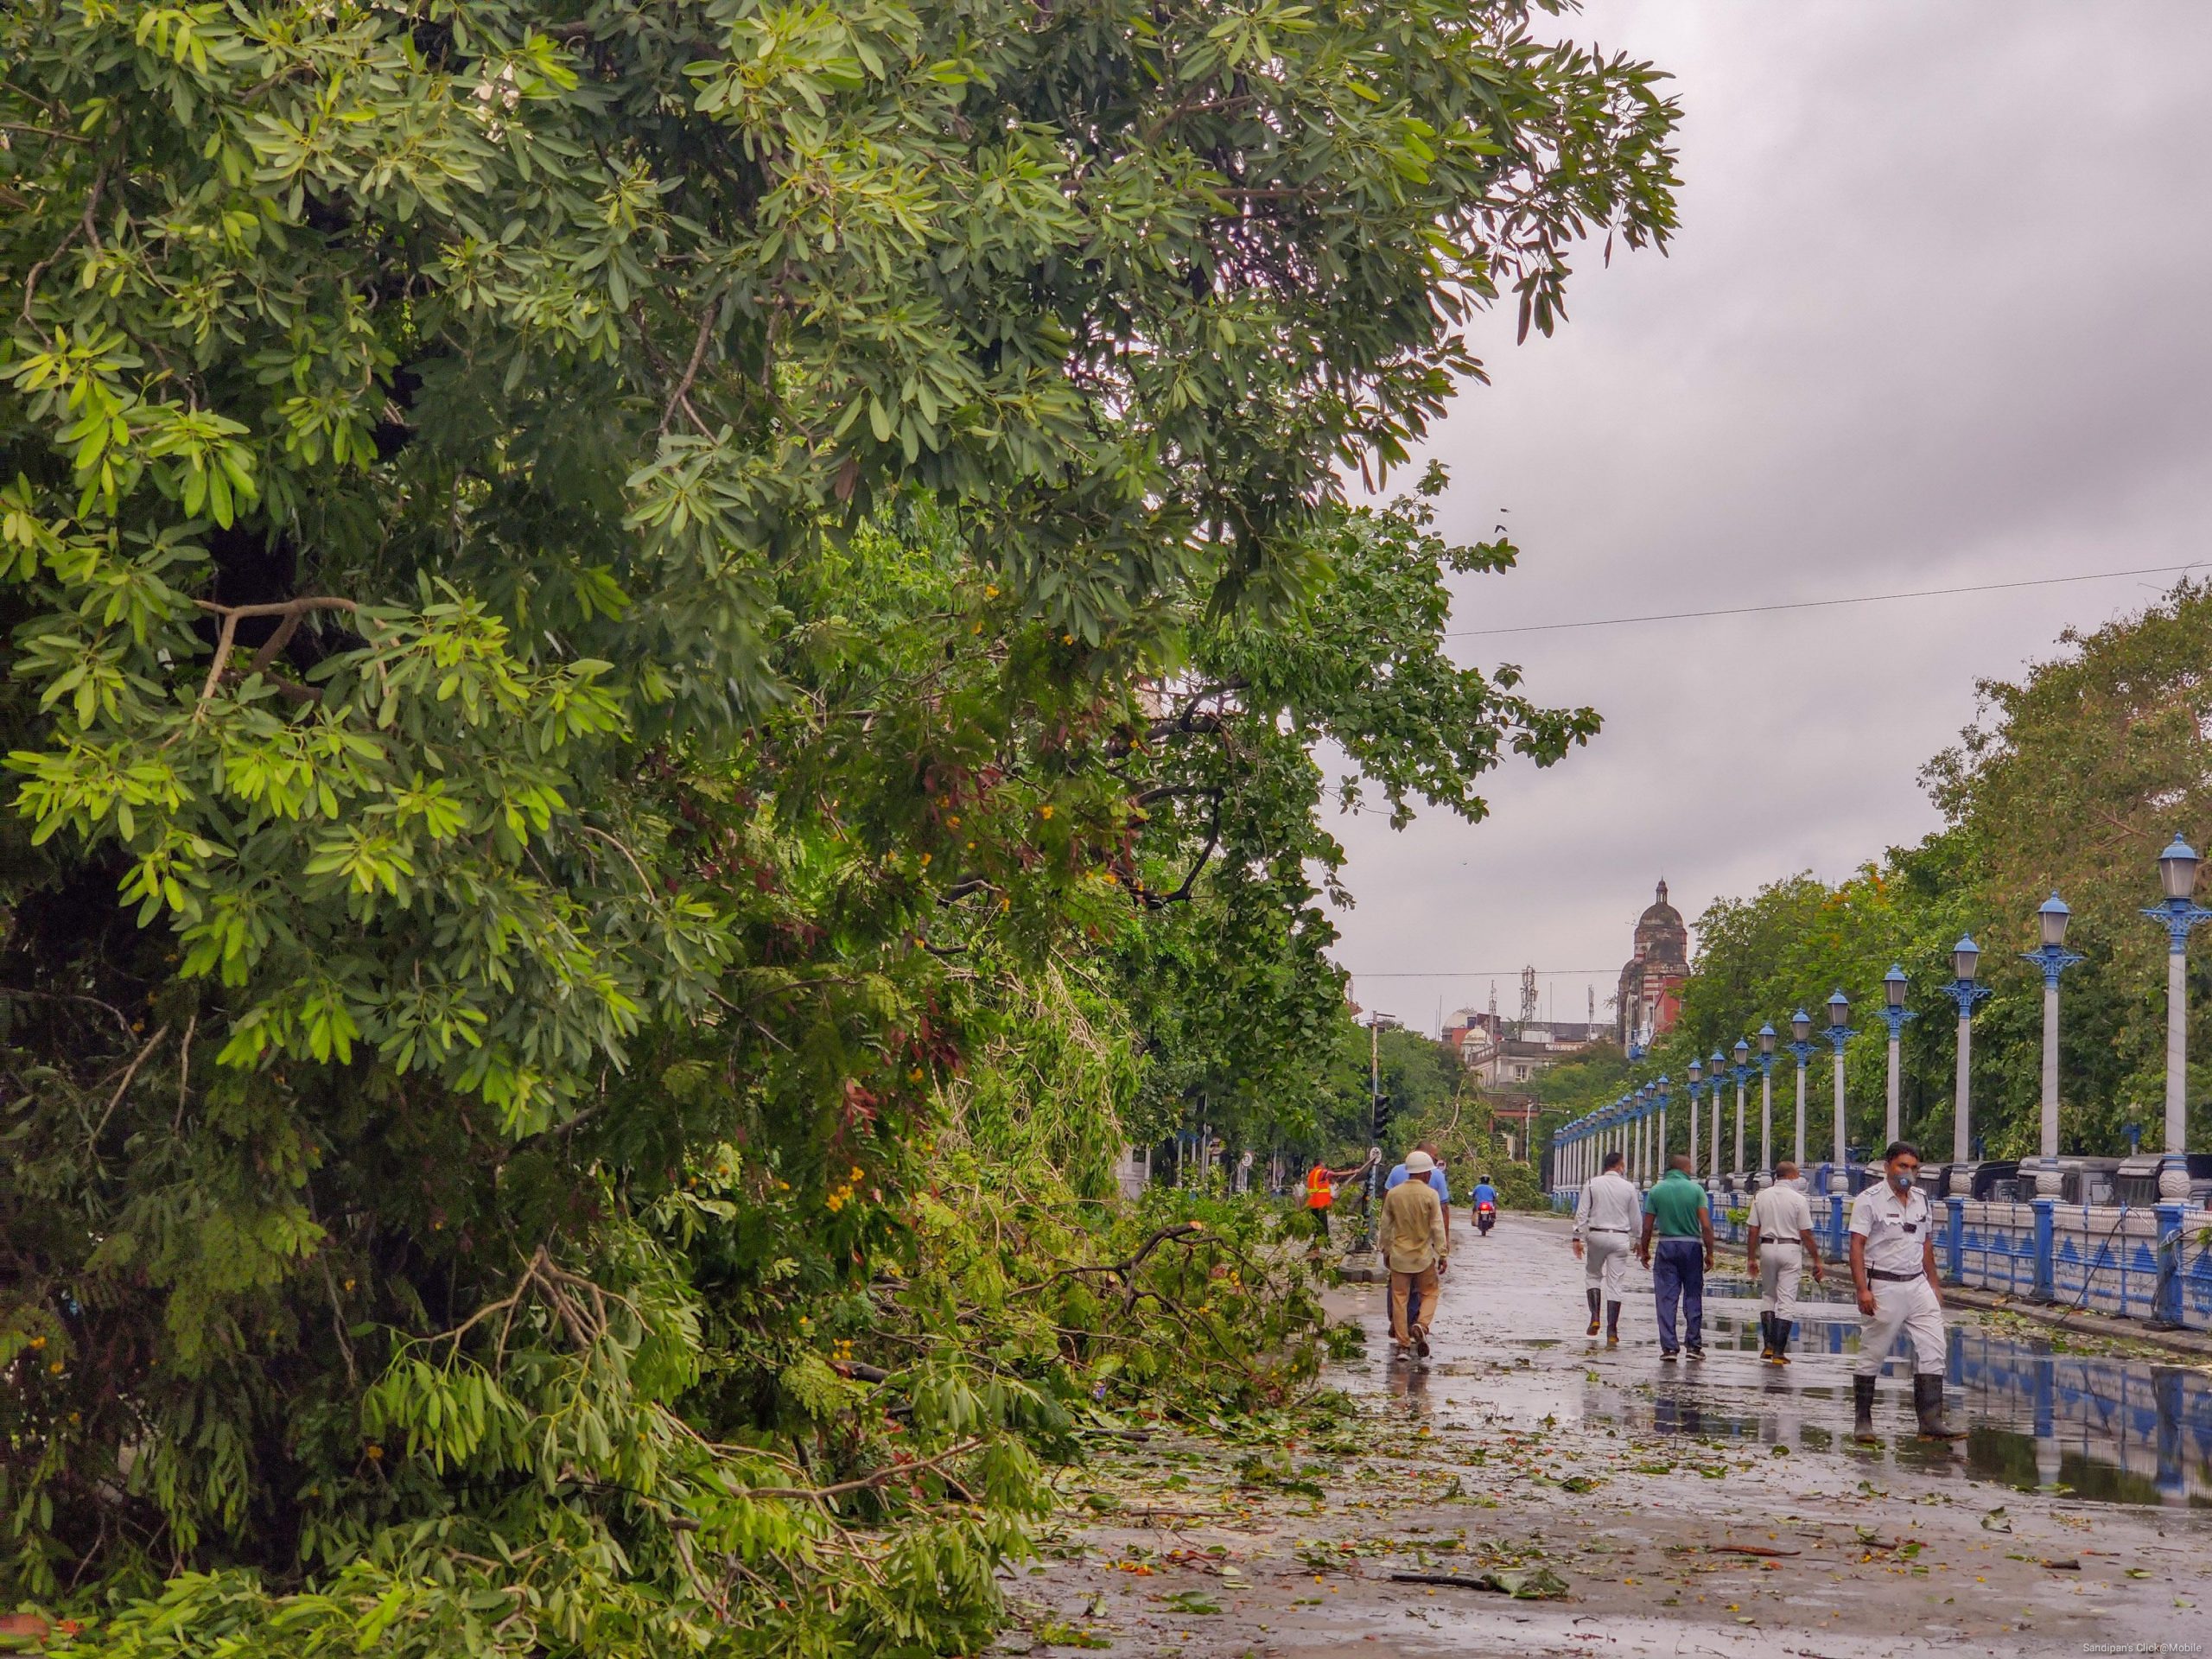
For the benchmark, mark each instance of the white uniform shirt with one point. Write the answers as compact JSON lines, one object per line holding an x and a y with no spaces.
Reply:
{"x":1781,"y":1213}
{"x":1896,"y":1229}
{"x":1609,"y":1204}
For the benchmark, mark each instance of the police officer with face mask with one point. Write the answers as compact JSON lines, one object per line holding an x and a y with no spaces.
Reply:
{"x":1893,"y":1266}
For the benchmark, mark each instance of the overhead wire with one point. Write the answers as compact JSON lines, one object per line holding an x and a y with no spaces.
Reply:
{"x":1819,"y":604}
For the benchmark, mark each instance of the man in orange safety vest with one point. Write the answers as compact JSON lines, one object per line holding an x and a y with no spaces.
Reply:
{"x":1320,"y":1194}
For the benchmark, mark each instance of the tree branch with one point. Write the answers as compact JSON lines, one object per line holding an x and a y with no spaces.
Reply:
{"x":129,"y":1073}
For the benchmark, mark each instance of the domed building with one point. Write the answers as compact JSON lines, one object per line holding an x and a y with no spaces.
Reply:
{"x":1650,"y":996}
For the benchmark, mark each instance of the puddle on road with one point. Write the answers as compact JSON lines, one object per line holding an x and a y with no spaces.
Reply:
{"x":2094,"y":1429}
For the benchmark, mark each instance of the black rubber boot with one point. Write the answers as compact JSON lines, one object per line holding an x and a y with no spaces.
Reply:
{"x":1862,"y":1409}
{"x":1593,"y":1293}
{"x":1783,"y":1329}
{"x":1613,"y":1325}
{"x":1928,"y":1405}
{"x":1766,"y":1335}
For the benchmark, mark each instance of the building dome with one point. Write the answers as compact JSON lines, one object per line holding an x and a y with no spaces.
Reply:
{"x":1659,"y":912}
{"x":1650,"y":989}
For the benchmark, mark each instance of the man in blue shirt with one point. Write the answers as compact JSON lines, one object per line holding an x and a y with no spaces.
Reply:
{"x":1485,"y":1194}
{"x":1443,"y":1188}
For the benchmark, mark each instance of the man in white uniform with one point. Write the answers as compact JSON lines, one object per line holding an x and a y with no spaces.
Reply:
{"x":1893,"y":1266}
{"x":1780,"y":1248}
{"x":1606,"y":1218}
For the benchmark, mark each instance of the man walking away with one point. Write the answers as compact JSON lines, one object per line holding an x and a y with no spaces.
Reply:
{"x":1779,"y":1247}
{"x":1443,"y":1190}
{"x":1605,"y":1232}
{"x":1415,"y":1249}
{"x":1675,"y":1210}
{"x":1893,"y":1267}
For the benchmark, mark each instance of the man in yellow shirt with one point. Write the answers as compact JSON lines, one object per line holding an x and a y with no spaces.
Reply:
{"x":1414,"y":1248}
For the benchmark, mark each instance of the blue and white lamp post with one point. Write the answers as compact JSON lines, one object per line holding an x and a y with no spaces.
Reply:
{"x":1716,"y":1068}
{"x":1800,"y":1032}
{"x":1697,"y":1104}
{"x":1659,"y":1097}
{"x":1966,"y":957}
{"x":2180,"y":913}
{"x":1840,"y":1032}
{"x":1766,"y":1100}
{"x":1742,"y":1071}
{"x":1894,"y":1014}
{"x":2053,"y":958}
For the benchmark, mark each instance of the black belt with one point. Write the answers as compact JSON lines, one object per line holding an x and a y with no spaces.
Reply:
{"x":1893,"y":1277}
{"x":1623,"y":1230}
{"x":1781,"y":1244}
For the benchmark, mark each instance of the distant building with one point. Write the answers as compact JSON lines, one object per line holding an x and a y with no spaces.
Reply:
{"x":1505,"y":1063}
{"x":1650,"y":997}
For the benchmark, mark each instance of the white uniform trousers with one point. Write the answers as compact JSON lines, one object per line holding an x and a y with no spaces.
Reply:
{"x":1604,"y":1261}
{"x":1781,"y":1269}
{"x":1908,"y":1307}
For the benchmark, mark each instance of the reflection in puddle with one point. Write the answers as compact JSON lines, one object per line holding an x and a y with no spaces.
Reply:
{"x":2106,"y":1430}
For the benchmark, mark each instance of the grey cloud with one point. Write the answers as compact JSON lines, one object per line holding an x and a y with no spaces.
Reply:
{"x":1935,"y":317}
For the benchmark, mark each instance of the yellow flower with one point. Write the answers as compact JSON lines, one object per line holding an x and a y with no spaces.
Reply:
{"x":991,"y":590}
{"x":925,"y":859}
{"x":1045,"y":811}
{"x":38,"y":1342}
{"x":857,"y":1171}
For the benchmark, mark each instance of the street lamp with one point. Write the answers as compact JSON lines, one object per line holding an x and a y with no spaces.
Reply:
{"x":1659,"y":1163}
{"x":2053,"y":958}
{"x":1697,"y":1098}
{"x":1966,"y":958}
{"x":1840,"y":1032}
{"x":1716,"y":1068}
{"x":1766,"y":1099}
{"x":1742,"y":1071}
{"x":2178,"y":875}
{"x":1800,"y":1032}
{"x":1894,"y":1014}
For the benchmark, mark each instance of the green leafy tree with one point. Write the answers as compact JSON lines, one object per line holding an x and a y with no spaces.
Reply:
{"x":586,"y":587}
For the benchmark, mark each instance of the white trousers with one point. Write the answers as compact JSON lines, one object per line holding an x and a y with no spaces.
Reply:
{"x":1781,"y":1269}
{"x":1604,"y":1261}
{"x":1909,"y":1307}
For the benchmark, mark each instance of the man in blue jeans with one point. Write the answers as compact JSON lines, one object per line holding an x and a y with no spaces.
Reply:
{"x":1675,"y":1211}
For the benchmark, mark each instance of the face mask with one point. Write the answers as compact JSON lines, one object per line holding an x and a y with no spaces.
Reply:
{"x":1901,"y":1180}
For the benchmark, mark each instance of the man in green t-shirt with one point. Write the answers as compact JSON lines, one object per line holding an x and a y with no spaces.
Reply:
{"x":1675,"y":1210}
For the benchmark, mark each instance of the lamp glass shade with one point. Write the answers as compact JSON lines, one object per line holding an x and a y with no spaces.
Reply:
{"x":1697,"y":1073}
{"x":1801,"y":1025}
{"x":1893,"y":985}
{"x":1839,"y":1009}
{"x":1766,"y":1039}
{"x":2177,"y":869}
{"x":2054,"y":916}
{"x":1966,"y":957}
{"x":1743,"y":1051}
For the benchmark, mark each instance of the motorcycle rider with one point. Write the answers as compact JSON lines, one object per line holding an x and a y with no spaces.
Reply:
{"x":1484,"y":1199}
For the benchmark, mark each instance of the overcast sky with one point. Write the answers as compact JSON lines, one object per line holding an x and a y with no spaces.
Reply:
{"x":1938,"y":314}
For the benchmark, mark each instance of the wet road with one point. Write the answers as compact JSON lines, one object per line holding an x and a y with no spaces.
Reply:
{"x":1710,"y":1507}
{"x":2093,"y":1427}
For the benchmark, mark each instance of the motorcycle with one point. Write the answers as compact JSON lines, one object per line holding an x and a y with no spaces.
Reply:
{"x":1485,"y":1218}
